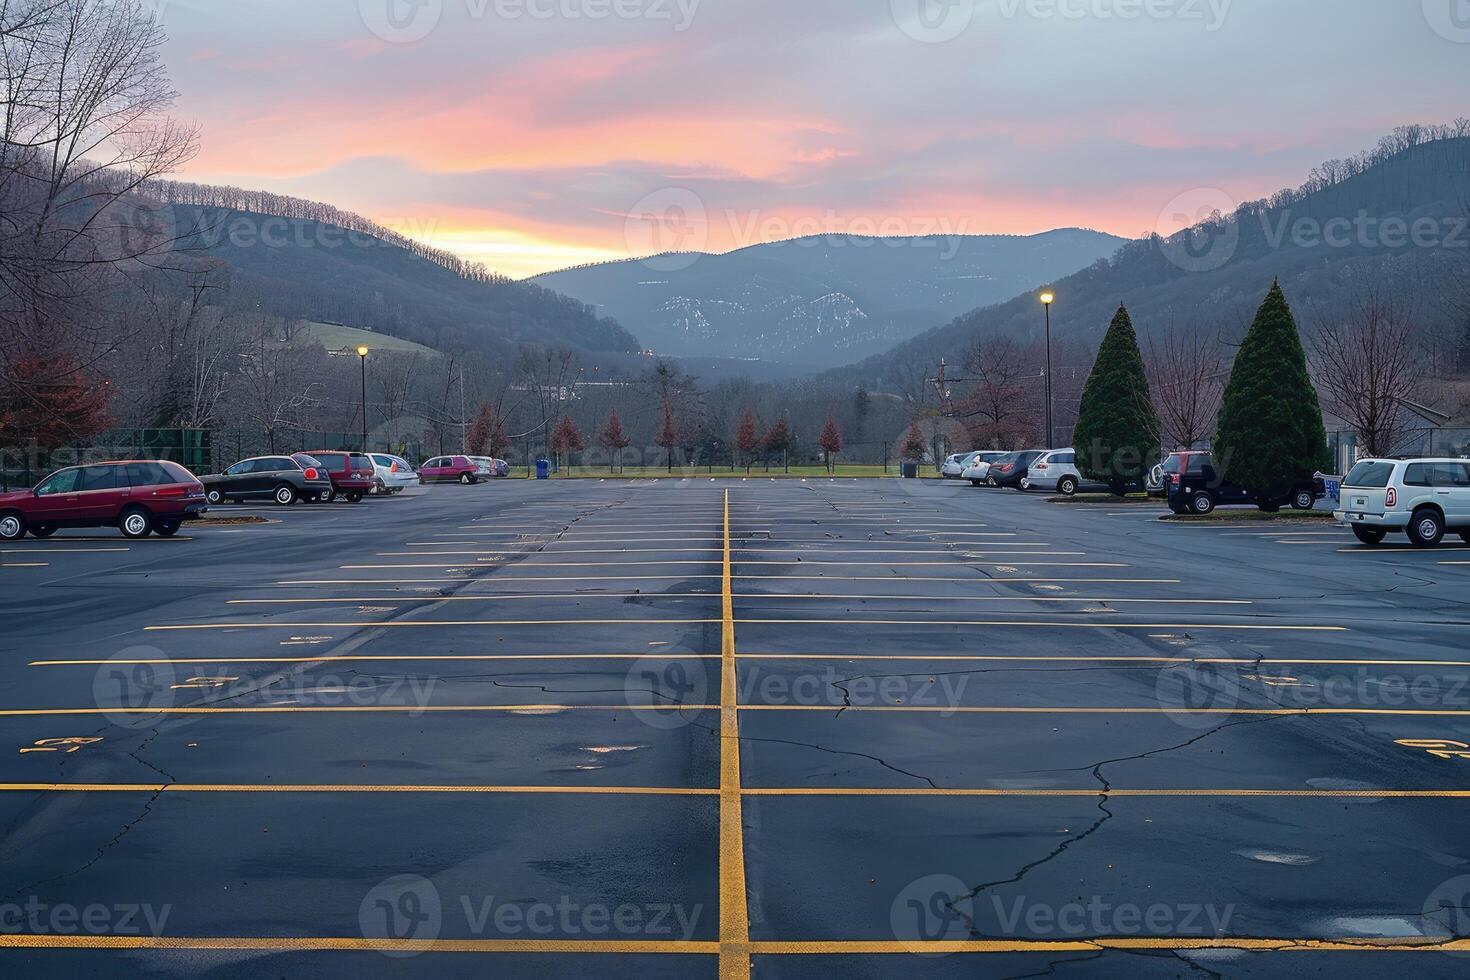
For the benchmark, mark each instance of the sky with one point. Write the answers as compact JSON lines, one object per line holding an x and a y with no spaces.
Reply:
{"x":533,"y":135}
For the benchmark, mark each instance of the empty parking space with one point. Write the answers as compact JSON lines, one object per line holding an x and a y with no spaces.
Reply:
{"x":740,"y":728}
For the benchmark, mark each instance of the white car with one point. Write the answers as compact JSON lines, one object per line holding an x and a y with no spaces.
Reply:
{"x":954,"y":465}
{"x":485,"y":467}
{"x":391,"y":474}
{"x":978,"y":469}
{"x":1057,"y":470}
{"x":1423,"y":498}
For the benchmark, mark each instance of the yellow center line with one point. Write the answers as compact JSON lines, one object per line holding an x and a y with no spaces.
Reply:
{"x":1095,"y":792}
{"x":1405,"y":944}
{"x":351,"y":709}
{"x":390,"y":658}
{"x":734,"y":962}
{"x":327,"y":943}
{"x":857,"y":621}
{"x":498,"y":579}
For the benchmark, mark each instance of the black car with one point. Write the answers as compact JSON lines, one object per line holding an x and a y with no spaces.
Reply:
{"x":1010,"y":470}
{"x":284,"y":479}
{"x":1193,"y":486}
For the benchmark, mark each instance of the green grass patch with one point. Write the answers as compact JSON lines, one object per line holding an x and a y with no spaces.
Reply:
{"x":1255,"y":517}
{"x":335,"y":336}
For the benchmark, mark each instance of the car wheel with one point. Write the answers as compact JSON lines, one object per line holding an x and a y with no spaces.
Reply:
{"x":1303,"y":500}
{"x":1426,"y":528}
{"x":354,"y":496}
{"x":377,"y":488}
{"x":167,"y":530}
{"x":1368,"y":535}
{"x":214,"y":496}
{"x":1465,"y":536}
{"x":43,"y":530}
{"x":12,"y":527}
{"x":466,"y":479}
{"x":328,"y":496}
{"x":135,"y":523}
{"x":977,"y":483}
{"x":1202,"y":503}
{"x":285,"y":495}
{"x":1067,"y":486}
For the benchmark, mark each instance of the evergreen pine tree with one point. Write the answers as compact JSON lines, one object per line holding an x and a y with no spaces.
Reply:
{"x":1117,"y":433}
{"x":1270,"y":433}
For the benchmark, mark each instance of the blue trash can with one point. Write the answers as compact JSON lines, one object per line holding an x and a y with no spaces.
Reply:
{"x":543,"y":469}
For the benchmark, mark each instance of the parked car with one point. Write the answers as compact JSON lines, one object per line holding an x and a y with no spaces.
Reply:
{"x":351,"y":474}
{"x":138,"y":497}
{"x":1423,"y":498}
{"x":486,"y":466}
{"x":1195,"y":487}
{"x":391,"y":474}
{"x":284,"y":479}
{"x":978,"y":469}
{"x":954,"y":465}
{"x":502,"y":468}
{"x":1010,"y":470}
{"x":450,"y":469}
{"x":1057,"y":470}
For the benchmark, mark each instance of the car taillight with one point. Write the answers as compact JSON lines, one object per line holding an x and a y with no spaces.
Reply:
{"x":1041,"y":466}
{"x":180,"y":490}
{"x":311,"y":473}
{"x":1174,"y":479}
{"x":1392,"y":499}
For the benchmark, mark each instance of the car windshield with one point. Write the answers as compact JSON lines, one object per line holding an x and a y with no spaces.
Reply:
{"x":1369,"y":473}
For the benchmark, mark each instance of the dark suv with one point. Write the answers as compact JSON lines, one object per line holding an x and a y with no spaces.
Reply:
{"x":1010,"y":470}
{"x":136,"y":496}
{"x":1193,"y":486}
{"x":351,"y":474}
{"x":284,"y":479}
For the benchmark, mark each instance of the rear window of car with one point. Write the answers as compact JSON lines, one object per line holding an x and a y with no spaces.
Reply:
{"x":1063,"y":458}
{"x":149,"y":475}
{"x":176,"y":473}
{"x":304,"y":460}
{"x":332,"y":461}
{"x":1369,"y":473}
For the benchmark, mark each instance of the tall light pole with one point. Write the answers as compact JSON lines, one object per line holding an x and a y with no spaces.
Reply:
{"x":362,"y":353}
{"x":1048,"y":298}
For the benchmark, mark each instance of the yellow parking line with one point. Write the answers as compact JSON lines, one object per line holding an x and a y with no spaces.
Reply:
{"x":402,"y":624}
{"x":1327,"y":794}
{"x":348,"y":944}
{"x":711,"y":595}
{"x":25,"y":564}
{"x":1041,"y":624}
{"x":554,"y":564}
{"x":389,"y":658}
{"x":1361,"y":550}
{"x":498,"y":579}
{"x":1403,"y":944}
{"x":58,"y":550}
{"x":734,"y":963}
{"x":1059,"y":710}
{"x":281,"y":709}
{"x":350,"y":788}
{"x":998,"y":658}
{"x":959,"y":560}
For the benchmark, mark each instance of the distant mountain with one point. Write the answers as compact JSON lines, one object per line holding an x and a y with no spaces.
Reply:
{"x":823,"y":300}
{"x":309,"y":261}
{"x":1392,"y":220}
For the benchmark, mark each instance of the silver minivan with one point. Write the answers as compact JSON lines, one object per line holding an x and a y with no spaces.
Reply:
{"x":1424,"y":498}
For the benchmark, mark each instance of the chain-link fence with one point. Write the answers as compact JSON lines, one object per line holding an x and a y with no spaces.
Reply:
{"x":1412,"y":442}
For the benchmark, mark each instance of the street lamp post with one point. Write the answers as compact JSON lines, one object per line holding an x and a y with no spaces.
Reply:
{"x":362,"y":353}
{"x":1047,"y":298}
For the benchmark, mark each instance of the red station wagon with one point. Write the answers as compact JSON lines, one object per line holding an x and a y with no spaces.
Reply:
{"x":136,"y":496}
{"x":450,"y":469}
{"x":351,"y":473}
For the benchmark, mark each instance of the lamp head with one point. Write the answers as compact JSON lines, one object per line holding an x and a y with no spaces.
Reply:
{"x":362,"y":352}
{"x":1048,"y":298}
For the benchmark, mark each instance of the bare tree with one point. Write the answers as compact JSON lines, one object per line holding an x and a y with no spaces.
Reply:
{"x":999,"y":407}
{"x":1187,"y":373}
{"x":1368,"y":364}
{"x":278,"y":384}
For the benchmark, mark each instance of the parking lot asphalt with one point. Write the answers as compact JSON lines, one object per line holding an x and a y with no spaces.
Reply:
{"x":699,"y":728}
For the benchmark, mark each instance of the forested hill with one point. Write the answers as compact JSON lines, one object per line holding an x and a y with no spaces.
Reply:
{"x":1393,"y":219}
{"x":310,"y":261}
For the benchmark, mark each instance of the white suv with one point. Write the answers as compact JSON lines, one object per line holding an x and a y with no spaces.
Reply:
{"x":1424,"y":498}
{"x":1057,"y":470}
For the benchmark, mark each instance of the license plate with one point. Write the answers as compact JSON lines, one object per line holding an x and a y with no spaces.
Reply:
{"x":1361,"y":501}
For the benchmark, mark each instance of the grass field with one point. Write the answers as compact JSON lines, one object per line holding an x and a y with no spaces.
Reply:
{"x":335,"y":336}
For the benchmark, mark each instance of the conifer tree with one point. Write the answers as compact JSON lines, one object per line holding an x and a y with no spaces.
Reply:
{"x":1117,"y":433}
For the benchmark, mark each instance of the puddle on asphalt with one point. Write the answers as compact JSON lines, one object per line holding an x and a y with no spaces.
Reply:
{"x":1274,"y":857}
